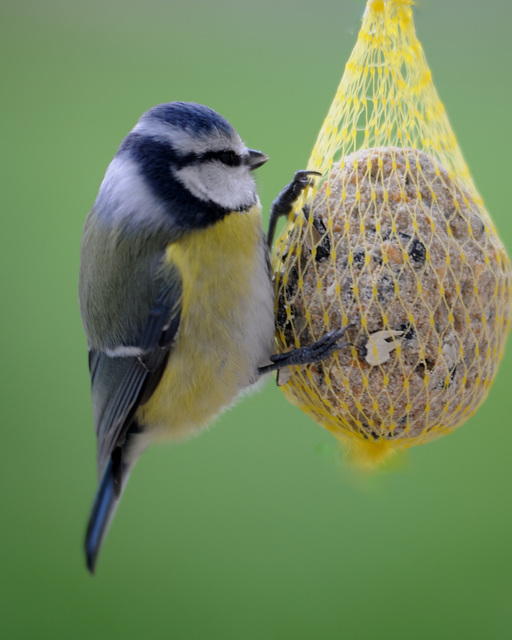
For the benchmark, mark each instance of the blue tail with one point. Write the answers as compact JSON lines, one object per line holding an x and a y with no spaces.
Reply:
{"x":103,"y":510}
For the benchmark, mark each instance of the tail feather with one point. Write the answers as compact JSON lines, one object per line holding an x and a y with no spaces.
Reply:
{"x":103,"y":510}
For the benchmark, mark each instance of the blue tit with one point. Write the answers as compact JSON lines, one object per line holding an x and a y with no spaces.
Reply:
{"x":175,"y":290}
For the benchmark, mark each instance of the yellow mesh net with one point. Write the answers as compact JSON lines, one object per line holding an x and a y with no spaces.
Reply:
{"x":394,"y":242}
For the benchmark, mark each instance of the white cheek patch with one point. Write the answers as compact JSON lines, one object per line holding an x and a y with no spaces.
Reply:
{"x":190,"y":178}
{"x":231,"y":188}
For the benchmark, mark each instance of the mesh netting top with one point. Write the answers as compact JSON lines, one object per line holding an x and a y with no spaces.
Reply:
{"x":395,"y":244}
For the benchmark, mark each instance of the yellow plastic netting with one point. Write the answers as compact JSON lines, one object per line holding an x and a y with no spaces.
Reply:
{"x":394,"y":242}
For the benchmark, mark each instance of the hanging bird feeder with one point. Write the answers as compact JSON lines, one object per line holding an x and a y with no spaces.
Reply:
{"x":393,"y":242}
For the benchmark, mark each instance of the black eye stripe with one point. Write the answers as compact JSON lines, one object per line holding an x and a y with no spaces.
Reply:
{"x":230,"y":158}
{"x":227,"y":157}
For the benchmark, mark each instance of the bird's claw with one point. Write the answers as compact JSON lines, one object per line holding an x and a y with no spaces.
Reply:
{"x":316,"y":352}
{"x":285,"y":201}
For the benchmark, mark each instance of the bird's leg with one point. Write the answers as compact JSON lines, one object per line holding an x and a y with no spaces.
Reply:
{"x":316,"y":352}
{"x":285,"y":201}
{"x":330,"y":342}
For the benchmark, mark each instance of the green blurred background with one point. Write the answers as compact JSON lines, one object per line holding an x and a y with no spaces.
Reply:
{"x":256,"y":529}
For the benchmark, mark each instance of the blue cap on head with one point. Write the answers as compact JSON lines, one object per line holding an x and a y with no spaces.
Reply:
{"x":191,"y":117}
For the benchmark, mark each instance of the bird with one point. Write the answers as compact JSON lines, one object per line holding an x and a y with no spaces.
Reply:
{"x":175,"y":290}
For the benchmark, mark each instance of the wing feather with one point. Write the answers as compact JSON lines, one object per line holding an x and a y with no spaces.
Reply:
{"x":120,"y":384}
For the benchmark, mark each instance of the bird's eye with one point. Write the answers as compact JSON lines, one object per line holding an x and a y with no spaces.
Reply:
{"x":230,"y":158}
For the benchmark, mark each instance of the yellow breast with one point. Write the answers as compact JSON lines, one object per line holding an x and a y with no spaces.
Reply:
{"x":226,"y":327}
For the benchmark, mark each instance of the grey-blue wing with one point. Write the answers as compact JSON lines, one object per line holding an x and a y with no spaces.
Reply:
{"x":120,"y":384}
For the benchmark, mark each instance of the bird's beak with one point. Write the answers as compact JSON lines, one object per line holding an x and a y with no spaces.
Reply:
{"x":255,"y":159}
